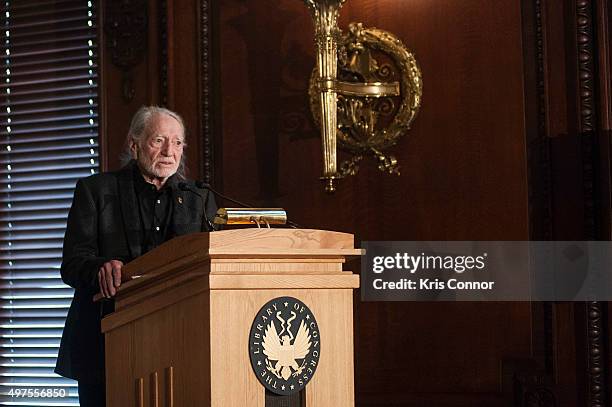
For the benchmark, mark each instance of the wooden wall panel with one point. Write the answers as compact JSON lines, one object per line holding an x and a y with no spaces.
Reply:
{"x":463,"y":176}
{"x":499,"y":151}
{"x":166,"y":75}
{"x":183,"y":78}
{"x":116,"y":111}
{"x":464,"y":157}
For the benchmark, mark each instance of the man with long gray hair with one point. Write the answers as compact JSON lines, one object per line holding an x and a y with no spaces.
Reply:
{"x":116,"y":217}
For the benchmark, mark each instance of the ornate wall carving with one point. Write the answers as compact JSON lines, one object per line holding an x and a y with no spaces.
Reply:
{"x":585,"y":48}
{"x":125,"y":26}
{"x":206,"y":105}
{"x":544,"y":149}
{"x":597,"y":367}
{"x":163,"y":69}
{"x":586,"y":54}
{"x":540,"y":177}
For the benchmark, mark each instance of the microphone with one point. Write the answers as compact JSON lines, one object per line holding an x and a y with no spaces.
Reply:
{"x":204,"y":185}
{"x":183,"y":186}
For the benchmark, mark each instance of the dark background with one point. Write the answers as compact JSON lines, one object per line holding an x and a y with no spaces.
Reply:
{"x":511,"y":143}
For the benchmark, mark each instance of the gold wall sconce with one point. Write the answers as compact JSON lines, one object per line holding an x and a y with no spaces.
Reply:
{"x":364,"y":92}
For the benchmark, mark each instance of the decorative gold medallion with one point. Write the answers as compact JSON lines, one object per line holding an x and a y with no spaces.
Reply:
{"x":379,"y":94}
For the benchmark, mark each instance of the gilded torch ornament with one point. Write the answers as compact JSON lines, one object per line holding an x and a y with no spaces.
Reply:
{"x":379,"y":90}
{"x":327,"y":34}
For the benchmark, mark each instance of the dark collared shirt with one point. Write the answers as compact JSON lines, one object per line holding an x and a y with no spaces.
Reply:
{"x":155,"y":208}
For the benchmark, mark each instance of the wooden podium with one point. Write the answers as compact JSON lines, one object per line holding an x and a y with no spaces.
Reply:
{"x":179,"y":335}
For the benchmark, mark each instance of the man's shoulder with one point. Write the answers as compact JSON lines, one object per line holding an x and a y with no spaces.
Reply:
{"x":187,"y":182}
{"x":103,"y":179}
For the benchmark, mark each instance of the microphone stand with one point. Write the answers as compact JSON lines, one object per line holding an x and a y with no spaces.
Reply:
{"x":183,"y":186}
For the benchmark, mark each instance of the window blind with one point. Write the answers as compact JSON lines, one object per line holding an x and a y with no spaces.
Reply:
{"x":48,"y":139}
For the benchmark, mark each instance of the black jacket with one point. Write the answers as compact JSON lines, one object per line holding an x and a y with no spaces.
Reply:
{"x":104,"y":224}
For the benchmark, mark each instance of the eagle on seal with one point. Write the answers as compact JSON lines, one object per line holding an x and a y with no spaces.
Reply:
{"x":282,"y":351}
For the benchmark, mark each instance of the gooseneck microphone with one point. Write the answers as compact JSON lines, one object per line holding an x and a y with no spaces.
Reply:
{"x":204,"y":185}
{"x":183,"y":186}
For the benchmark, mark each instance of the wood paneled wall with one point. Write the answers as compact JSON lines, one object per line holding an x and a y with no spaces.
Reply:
{"x":464,"y":176}
{"x":168,"y":72}
{"x":511,"y":143}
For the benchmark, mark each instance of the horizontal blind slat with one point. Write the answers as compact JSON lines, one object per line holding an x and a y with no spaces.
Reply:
{"x":48,"y":140}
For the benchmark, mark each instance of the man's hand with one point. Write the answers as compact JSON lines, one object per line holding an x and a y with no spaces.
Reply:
{"x":109,"y":277}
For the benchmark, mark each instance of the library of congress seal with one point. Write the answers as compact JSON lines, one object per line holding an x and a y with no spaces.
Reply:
{"x":284,"y":345}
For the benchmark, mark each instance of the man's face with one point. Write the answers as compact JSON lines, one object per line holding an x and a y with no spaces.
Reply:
{"x":159,"y":152}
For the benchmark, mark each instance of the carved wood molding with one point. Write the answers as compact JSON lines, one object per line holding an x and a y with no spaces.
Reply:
{"x":525,"y":385}
{"x":586,"y":61}
{"x":585,"y":49}
{"x":126,"y":33}
{"x":206,"y":91}
{"x":544,"y":161}
{"x":586,"y":74}
{"x":596,"y":362}
{"x":538,"y":148}
{"x":540,"y":178}
{"x":163,"y":69}
{"x":532,"y":391}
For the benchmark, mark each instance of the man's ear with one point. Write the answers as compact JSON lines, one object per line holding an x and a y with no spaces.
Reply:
{"x":133,"y":148}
